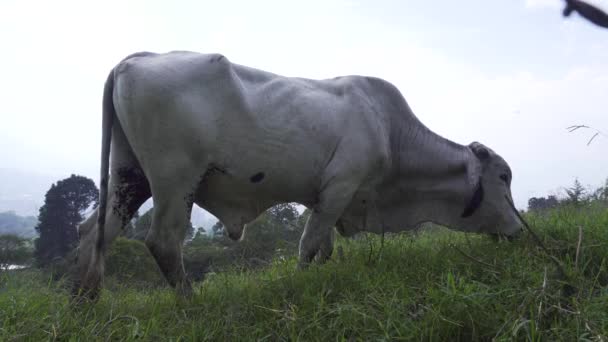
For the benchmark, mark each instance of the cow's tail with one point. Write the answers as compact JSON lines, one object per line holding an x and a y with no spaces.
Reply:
{"x":109,"y":113}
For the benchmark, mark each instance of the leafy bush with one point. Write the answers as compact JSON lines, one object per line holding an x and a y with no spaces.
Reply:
{"x":14,"y":250}
{"x":130,"y":262}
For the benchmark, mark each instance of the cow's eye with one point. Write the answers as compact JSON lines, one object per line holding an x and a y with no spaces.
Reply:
{"x":504,"y":178}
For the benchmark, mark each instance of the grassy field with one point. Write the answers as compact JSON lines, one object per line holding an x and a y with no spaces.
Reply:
{"x":436,"y":285}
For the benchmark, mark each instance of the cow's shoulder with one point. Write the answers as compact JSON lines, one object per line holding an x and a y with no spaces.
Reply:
{"x":378,"y":87}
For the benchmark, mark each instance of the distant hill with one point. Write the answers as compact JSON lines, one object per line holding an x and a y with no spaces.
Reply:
{"x":23,"y":191}
{"x":11,"y":223}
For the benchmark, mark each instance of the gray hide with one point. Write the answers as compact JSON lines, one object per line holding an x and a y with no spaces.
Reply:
{"x":195,"y":128}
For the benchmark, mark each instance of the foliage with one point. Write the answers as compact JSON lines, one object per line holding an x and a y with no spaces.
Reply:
{"x":218,"y":228}
{"x":11,"y":223}
{"x":437,"y":286}
{"x":600,"y":194}
{"x":542,"y":203}
{"x":275,"y":234}
{"x":200,"y":254}
{"x":130,"y":262}
{"x":200,"y":233}
{"x":576,"y":195}
{"x":14,"y":250}
{"x":140,"y":226}
{"x":284,"y":213}
{"x":63,"y":208}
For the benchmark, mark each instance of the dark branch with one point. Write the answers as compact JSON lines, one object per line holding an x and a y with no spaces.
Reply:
{"x":589,"y":12}
{"x":597,"y":132}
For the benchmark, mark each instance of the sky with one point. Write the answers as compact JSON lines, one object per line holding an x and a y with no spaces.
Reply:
{"x":512,"y":74}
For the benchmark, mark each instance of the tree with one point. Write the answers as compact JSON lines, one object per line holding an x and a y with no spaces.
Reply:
{"x":576,"y":194}
{"x":63,"y":208}
{"x":13,"y":251}
{"x":542,"y":203}
{"x":600,"y":194}
{"x":603,"y":192}
{"x":200,"y":233}
{"x":218,"y":228}
{"x":284,"y":213}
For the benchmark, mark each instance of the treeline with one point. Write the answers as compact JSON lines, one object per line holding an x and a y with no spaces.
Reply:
{"x":575,"y":195}
{"x":274,"y":234}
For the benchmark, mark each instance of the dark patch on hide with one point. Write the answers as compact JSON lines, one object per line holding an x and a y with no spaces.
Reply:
{"x":475,"y":201}
{"x":132,"y":189}
{"x":211,"y":170}
{"x":258,"y":177}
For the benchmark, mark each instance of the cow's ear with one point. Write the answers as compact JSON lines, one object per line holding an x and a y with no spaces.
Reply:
{"x":479,"y":150}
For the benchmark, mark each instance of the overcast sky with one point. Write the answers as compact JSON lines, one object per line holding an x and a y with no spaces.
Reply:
{"x":512,"y":74}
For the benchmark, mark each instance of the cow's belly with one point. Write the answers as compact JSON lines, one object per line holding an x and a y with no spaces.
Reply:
{"x":238,"y":198}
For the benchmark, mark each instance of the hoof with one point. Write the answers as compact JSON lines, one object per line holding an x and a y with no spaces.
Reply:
{"x":82,"y":295}
{"x":184,"y":291}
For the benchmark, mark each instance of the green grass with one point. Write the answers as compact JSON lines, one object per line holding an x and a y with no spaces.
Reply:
{"x":437,"y":285}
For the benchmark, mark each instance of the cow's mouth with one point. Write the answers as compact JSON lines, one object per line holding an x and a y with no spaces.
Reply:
{"x":496,"y":237}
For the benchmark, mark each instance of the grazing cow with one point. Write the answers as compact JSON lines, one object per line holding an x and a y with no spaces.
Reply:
{"x":184,"y":128}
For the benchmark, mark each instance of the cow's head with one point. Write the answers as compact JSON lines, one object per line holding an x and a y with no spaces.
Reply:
{"x":488,"y":208}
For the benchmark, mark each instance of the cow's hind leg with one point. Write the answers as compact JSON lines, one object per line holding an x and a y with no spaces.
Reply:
{"x":124,"y":199}
{"x":172,"y":209}
{"x":128,"y":189}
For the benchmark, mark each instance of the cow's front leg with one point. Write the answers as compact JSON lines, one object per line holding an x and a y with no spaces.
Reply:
{"x":326,"y":247}
{"x":317,"y":238}
{"x":317,"y":233}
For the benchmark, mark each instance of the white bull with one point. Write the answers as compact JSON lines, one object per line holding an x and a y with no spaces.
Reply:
{"x":184,"y":128}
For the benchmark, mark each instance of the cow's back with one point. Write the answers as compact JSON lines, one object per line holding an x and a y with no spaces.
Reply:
{"x":265,"y":135}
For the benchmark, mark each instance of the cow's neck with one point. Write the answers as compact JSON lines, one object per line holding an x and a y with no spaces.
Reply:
{"x":435,"y":175}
